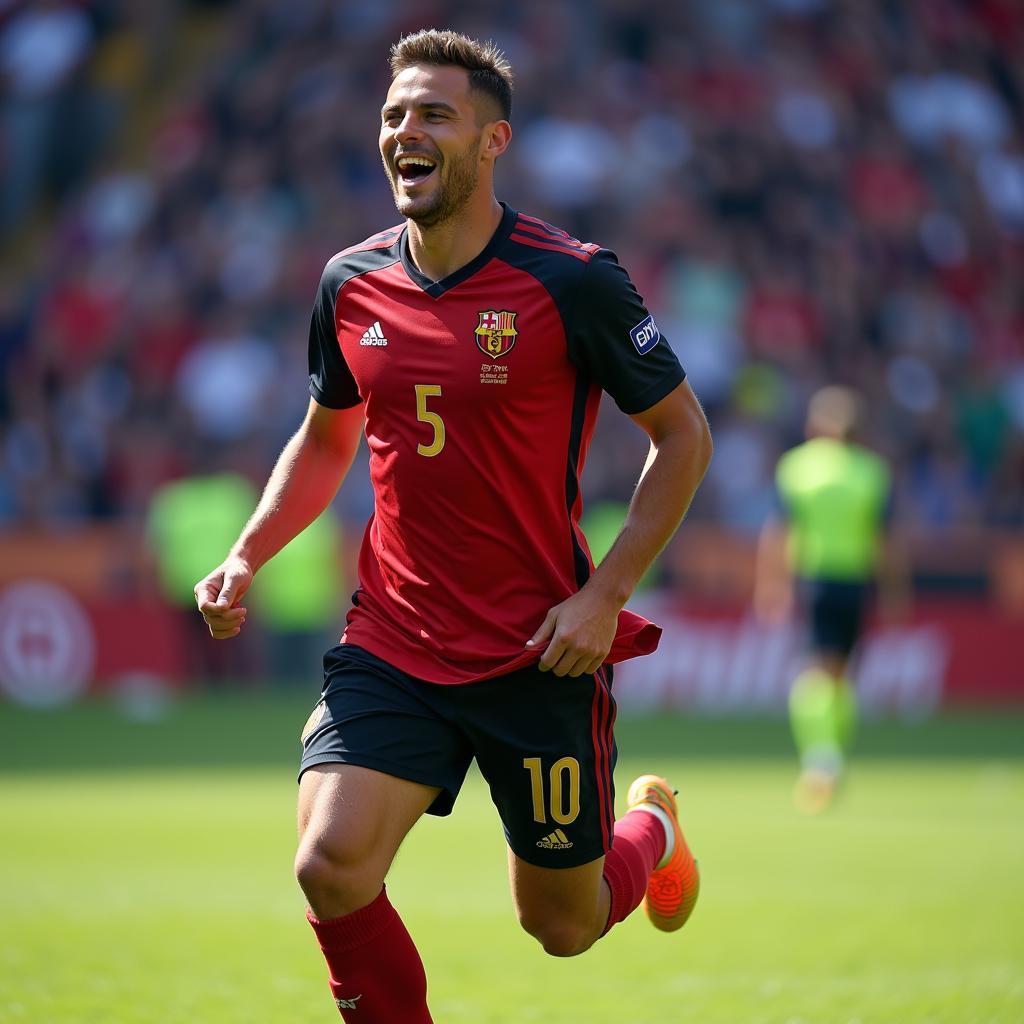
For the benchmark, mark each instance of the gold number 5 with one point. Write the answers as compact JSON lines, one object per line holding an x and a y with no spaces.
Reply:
{"x":424,"y":415}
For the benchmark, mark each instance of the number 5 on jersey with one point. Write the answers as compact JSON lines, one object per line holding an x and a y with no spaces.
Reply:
{"x":424,"y":415}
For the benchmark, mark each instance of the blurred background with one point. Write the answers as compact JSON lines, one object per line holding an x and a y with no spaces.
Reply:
{"x":805,"y":192}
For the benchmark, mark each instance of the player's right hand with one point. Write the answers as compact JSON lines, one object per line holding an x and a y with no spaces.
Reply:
{"x":218,"y":594}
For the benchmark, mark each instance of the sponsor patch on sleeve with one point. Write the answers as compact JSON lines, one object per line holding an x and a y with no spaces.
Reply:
{"x":645,"y":335}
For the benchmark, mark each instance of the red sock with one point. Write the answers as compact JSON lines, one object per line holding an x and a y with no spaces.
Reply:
{"x":375,"y":968}
{"x":637,"y":845}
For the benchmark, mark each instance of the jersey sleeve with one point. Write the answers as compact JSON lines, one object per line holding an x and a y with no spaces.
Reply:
{"x":615,"y":340}
{"x":330,"y":380}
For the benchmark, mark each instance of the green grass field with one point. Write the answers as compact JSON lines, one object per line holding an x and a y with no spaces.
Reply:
{"x":145,"y":876}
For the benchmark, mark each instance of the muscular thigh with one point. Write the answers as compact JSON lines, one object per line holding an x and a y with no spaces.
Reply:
{"x":373,"y":716}
{"x":358,"y":814}
{"x":376,"y":756}
{"x":351,"y":822}
{"x":543,"y":894}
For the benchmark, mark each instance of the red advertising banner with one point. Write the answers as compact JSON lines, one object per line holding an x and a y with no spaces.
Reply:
{"x":55,"y":646}
{"x":724,"y":660}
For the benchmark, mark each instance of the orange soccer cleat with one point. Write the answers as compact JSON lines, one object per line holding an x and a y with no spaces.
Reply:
{"x":674,"y":884}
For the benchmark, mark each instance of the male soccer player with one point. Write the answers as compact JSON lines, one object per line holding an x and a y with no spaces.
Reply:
{"x":471,"y":344}
{"x":833,"y":496}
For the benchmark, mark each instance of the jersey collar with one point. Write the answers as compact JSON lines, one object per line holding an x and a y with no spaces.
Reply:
{"x":435,"y":289}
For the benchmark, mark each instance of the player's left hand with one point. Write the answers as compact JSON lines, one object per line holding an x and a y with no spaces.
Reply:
{"x":579,"y":633}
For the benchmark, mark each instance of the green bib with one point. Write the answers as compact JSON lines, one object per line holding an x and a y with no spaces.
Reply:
{"x":192,"y":524}
{"x":835,"y":495}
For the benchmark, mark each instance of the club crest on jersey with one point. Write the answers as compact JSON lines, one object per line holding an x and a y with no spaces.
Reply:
{"x":496,"y":332}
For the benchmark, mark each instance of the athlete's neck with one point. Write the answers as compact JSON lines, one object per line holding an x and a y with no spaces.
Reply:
{"x":440,"y":250}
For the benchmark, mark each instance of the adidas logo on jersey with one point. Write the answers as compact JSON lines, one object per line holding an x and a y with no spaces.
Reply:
{"x":373,"y":335}
{"x":558,"y":840}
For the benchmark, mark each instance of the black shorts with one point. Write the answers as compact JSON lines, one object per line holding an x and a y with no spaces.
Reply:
{"x":543,"y":743}
{"x":835,"y":610}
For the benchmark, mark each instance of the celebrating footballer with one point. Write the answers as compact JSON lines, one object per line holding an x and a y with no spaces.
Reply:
{"x":471,"y":345}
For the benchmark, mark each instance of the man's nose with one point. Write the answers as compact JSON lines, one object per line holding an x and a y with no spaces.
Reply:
{"x":408,"y":128}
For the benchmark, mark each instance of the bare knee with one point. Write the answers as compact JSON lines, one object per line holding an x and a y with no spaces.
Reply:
{"x":336,"y":876}
{"x":561,"y":935}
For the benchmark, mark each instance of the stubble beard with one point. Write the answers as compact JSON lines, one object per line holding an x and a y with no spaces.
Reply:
{"x":460,"y":176}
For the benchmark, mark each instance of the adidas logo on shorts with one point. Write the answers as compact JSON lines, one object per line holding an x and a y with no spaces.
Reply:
{"x":558,"y":840}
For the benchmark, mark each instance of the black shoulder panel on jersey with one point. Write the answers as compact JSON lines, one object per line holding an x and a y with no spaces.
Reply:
{"x":330,"y":381}
{"x":558,"y":270}
{"x":616,"y":341}
{"x":610,"y":334}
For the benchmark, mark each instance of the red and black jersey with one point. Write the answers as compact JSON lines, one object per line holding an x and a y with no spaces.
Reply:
{"x":481,"y":392}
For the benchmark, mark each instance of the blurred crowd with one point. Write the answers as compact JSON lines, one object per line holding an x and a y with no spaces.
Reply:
{"x":805,"y":191}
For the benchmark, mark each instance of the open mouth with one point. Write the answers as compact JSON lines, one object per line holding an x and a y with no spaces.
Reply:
{"x":414,"y":169}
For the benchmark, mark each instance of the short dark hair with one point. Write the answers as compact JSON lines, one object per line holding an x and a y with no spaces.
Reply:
{"x":488,"y":67}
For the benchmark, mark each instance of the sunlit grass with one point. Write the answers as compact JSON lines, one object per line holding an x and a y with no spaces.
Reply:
{"x":165,"y":894}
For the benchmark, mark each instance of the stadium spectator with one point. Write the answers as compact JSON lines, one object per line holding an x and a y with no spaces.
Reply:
{"x":42,"y":47}
{"x":831,"y":191}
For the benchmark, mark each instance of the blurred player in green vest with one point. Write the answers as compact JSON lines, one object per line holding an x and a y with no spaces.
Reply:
{"x":299,"y":592}
{"x":188,"y":519}
{"x":823,"y":555}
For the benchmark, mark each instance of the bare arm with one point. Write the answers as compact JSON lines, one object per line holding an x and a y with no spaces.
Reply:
{"x":895,"y":579}
{"x":306,"y":477}
{"x":773,"y":581}
{"x":579,"y":632}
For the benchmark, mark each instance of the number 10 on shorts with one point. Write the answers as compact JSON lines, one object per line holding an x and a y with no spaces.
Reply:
{"x":564,"y":779}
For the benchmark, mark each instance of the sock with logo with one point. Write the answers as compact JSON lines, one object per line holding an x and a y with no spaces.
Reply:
{"x":638,"y":846}
{"x":374,"y":966}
